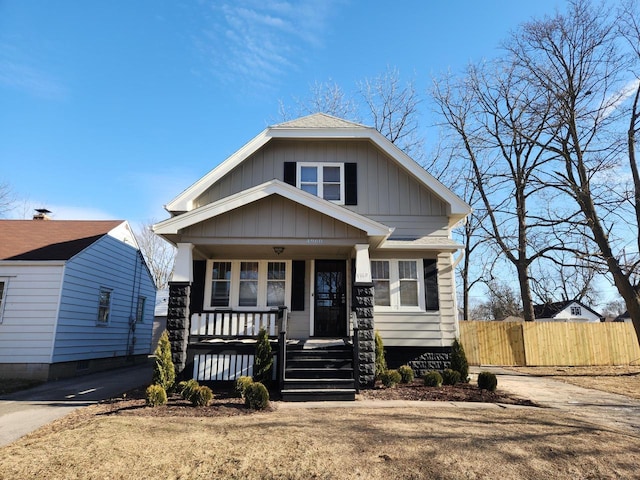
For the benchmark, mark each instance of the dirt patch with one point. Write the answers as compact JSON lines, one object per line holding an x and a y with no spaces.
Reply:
{"x":462,"y":392}
{"x":623,"y":380}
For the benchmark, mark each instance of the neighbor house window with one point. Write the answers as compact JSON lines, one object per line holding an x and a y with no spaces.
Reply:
{"x":324,"y":180}
{"x":248,"y":284}
{"x":398,"y":284}
{"x":576,"y":311}
{"x":3,"y":292}
{"x":104,"y":305}
{"x":140,"y":309}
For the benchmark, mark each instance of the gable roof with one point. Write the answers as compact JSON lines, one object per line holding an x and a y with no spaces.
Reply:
{"x":50,"y":239}
{"x":550,"y":310}
{"x":320,"y":126}
{"x":272,"y":187}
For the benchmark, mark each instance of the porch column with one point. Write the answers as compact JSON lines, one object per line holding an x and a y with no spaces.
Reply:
{"x":363,"y":306}
{"x":179,"y":299}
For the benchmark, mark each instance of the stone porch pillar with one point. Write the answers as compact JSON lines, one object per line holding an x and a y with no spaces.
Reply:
{"x":178,"y":321}
{"x":363,"y":306}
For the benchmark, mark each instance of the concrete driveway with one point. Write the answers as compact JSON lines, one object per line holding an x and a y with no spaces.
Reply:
{"x":25,"y":411}
{"x":602,"y":408}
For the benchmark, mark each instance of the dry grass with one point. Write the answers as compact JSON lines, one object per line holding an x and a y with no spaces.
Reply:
{"x":425,"y":443}
{"x":623,"y":380}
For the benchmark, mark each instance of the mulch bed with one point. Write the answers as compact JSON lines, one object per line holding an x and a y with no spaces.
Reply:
{"x":226,"y":404}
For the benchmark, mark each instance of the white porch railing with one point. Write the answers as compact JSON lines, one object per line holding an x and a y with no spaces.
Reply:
{"x":233,"y":324}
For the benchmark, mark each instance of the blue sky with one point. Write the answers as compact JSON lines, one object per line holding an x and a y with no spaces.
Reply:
{"x":108,"y":109}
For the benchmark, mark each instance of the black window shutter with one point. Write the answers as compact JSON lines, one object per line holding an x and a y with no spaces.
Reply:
{"x":290,"y":173}
{"x":431,"y":284}
{"x":350,"y":183}
{"x":297,"y":285}
{"x":197,"y":289}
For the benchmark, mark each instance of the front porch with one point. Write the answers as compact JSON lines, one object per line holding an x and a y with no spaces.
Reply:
{"x":221,"y":348}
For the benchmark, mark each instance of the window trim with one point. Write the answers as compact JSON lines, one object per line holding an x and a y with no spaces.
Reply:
{"x":100,"y":306}
{"x":3,"y":296}
{"x":394,"y":286}
{"x":575,"y":311}
{"x":320,"y":177}
{"x":234,"y":291}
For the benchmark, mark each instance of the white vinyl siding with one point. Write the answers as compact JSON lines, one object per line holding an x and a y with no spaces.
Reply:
{"x":112,"y":264}
{"x":30,"y":308}
{"x":247,"y":284}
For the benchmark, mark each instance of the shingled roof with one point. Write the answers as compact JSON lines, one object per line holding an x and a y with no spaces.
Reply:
{"x":550,"y":310}
{"x":50,"y":239}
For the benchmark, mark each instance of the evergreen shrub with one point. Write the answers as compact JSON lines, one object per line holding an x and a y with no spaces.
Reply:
{"x":432,"y":379}
{"x":487,"y":381}
{"x":451,"y":377}
{"x":381,"y":362}
{"x":390,"y":378}
{"x":201,"y":396}
{"x":164,"y":372}
{"x":256,"y":396}
{"x":406,"y":374}
{"x":459,"y":361}
{"x":241,"y":385}
{"x":263,"y":361}
{"x":155,"y":395}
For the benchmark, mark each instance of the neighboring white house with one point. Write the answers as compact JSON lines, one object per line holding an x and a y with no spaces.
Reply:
{"x":566,"y":311}
{"x":310,"y":217}
{"x":75,"y":297}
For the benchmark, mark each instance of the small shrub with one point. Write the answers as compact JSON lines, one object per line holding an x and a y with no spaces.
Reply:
{"x":390,"y":378}
{"x":188,"y":388}
{"x":381,"y":362}
{"x":201,"y":396}
{"x":256,"y":396}
{"x":451,"y":377}
{"x":263,"y":360}
{"x":164,"y":372}
{"x":459,"y":361}
{"x":241,"y":385}
{"x":487,"y":381}
{"x":406,"y":372}
{"x":155,"y":395}
{"x":432,"y":379}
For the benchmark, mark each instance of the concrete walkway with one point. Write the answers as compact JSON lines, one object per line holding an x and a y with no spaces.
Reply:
{"x":25,"y":411}
{"x":602,"y":408}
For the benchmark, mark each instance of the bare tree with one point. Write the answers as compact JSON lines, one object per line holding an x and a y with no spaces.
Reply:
{"x":158,"y":253}
{"x":7,"y":198}
{"x":502,"y":302}
{"x":324,"y":97}
{"x":575,"y":61}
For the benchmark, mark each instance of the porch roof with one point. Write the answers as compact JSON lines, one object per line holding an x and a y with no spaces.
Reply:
{"x":376,"y":231}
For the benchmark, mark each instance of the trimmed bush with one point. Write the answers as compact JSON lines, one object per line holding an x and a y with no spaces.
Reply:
{"x":188,"y":388}
{"x":201,"y":396}
{"x":241,"y":385}
{"x":155,"y":395}
{"x":450,"y":377}
{"x":256,"y":396}
{"x":390,"y":378}
{"x":459,"y":361}
{"x":487,"y":381}
{"x":406,"y":374}
{"x":263,"y":361}
{"x":164,"y":372}
{"x":381,"y":362}
{"x":432,"y":379}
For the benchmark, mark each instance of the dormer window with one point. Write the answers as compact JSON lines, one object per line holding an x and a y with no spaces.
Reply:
{"x":576,"y":311}
{"x":324,"y":180}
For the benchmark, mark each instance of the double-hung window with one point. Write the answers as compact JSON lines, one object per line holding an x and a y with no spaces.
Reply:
{"x":324,"y":180}
{"x":3,"y":294}
{"x":104,"y":305}
{"x":399,"y":285}
{"x":247,"y":284}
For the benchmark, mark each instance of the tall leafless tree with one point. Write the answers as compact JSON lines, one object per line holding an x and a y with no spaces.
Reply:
{"x":7,"y":198}
{"x":158,"y":253}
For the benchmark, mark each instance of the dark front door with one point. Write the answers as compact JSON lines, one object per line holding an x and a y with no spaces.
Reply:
{"x":330,"y":313}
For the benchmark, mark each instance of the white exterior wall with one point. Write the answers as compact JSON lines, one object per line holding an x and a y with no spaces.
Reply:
{"x":112,"y":264}
{"x":565,"y":316}
{"x":30,"y":311}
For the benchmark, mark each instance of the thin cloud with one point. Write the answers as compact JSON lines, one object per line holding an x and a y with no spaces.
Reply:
{"x":260,"y":42}
{"x":16,"y":73}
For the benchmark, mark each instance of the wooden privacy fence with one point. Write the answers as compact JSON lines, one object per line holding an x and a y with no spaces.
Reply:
{"x":549,"y":343}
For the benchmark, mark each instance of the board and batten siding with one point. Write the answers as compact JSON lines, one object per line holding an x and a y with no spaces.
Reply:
{"x":112,"y":264}
{"x":424,"y":329}
{"x":274,"y":217}
{"x":30,"y":311}
{"x":386,"y":192}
